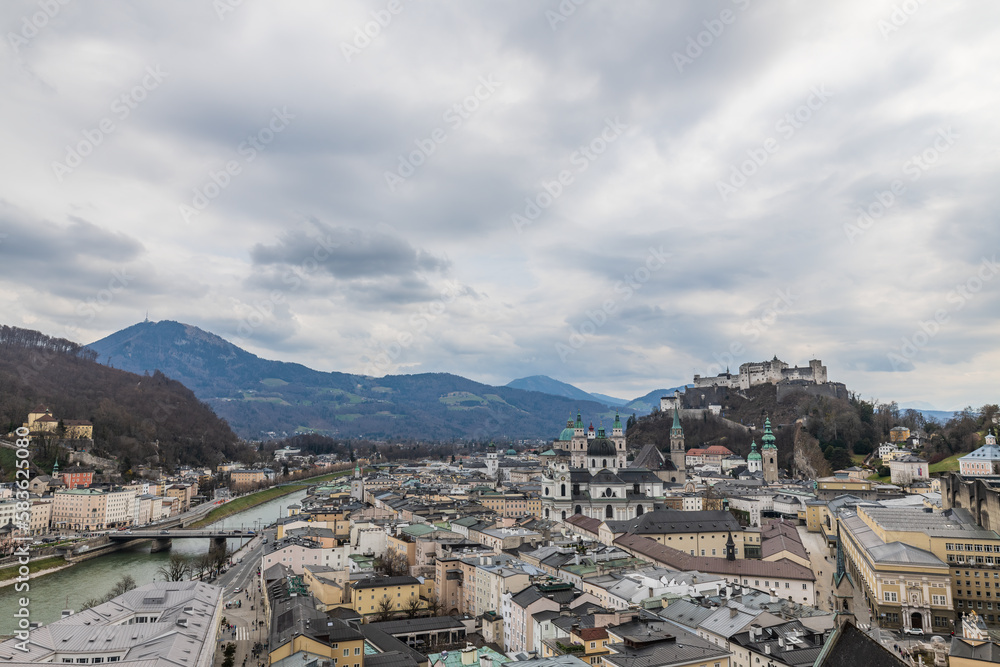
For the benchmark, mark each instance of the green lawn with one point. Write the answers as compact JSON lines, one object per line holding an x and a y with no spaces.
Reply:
{"x":33,"y":566}
{"x":946,"y":465}
{"x":254,"y":499}
{"x":858,"y":459}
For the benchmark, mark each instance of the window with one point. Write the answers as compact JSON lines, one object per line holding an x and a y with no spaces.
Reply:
{"x":890,"y":596}
{"x":347,"y":652}
{"x":803,"y":587}
{"x":357,"y":650}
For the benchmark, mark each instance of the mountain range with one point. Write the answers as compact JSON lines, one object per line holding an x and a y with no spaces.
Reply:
{"x":260,"y":398}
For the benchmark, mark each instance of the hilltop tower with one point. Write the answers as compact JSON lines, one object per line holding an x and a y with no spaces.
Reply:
{"x":677,"y":449}
{"x":769,"y":452}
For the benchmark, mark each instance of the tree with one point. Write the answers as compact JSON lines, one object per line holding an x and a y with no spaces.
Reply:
{"x":384,"y":610}
{"x":393,"y":564}
{"x":175,"y":569}
{"x":433,"y":606}
{"x":413,"y":606}
{"x":124,"y":585}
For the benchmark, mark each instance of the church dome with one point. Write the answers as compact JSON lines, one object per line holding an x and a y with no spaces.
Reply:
{"x":566,"y":435}
{"x":601,"y":447}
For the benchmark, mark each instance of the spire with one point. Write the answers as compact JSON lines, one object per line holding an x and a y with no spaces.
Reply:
{"x":768,"y":439}
{"x":600,"y":429}
{"x":618,"y":421}
{"x":55,"y":469}
{"x":579,"y":420}
{"x":677,"y":419}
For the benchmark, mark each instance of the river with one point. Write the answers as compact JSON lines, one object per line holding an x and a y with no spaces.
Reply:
{"x":71,"y":587}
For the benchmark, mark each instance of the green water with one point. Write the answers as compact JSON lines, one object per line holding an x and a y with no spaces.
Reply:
{"x":69,"y":588}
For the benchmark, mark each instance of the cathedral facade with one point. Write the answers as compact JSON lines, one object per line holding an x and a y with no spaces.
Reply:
{"x":587,"y":473}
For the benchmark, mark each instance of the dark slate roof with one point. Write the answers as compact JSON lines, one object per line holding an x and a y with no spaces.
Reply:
{"x":974,"y":650}
{"x":663,"y":522}
{"x":606,"y":477}
{"x":388,"y":643}
{"x":379,"y":582}
{"x":649,"y":457}
{"x":849,"y":647}
{"x":636,"y":475}
{"x":428,"y":624}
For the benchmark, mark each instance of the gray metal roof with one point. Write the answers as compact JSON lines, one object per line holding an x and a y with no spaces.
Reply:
{"x":104,"y":630}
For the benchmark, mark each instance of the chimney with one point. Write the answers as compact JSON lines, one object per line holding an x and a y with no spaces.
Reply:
{"x":732,"y":612}
{"x":767,"y":649}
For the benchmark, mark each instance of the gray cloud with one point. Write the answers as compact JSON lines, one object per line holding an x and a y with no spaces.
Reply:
{"x":437,"y":261}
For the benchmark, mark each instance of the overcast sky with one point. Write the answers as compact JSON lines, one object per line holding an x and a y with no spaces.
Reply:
{"x":618,"y":195}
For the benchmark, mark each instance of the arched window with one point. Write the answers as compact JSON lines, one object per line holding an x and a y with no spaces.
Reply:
{"x":593,"y":463}
{"x":609,"y":512}
{"x":578,"y":509}
{"x":546,"y":512}
{"x":562,"y":491}
{"x":639,"y":510}
{"x":564,"y":515}
{"x":546,"y":490}
{"x":604,"y":463}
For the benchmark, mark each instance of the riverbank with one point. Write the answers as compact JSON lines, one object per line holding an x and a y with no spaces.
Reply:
{"x":251,"y":500}
{"x":8,"y":575}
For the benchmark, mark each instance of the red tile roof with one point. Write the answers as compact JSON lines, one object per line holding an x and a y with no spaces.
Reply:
{"x":664,"y":555}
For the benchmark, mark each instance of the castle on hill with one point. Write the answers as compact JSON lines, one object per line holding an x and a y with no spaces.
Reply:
{"x":756,"y":373}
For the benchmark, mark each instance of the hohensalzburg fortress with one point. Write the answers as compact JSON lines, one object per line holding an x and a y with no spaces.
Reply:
{"x":765,"y":372}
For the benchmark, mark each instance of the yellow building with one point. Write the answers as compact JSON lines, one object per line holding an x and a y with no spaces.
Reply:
{"x":247,"y":477}
{"x":367,"y":596}
{"x":41,"y":420}
{"x":512,"y":504}
{"x":328,"y":585}
{"x":306,"y":630}
{"x":587,"y":644}
{"x":914,"y":571}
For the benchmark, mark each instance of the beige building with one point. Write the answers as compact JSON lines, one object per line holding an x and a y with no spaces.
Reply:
{"x":92,"y":509}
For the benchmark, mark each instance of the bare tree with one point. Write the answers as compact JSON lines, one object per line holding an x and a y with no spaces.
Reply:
{"x":124,"y":585}
{"x":384,"y":612}
{"x":413,"y":606}
{"x":175,"y":569}
{"x":393,"y":564}
{"x":433,"y":606}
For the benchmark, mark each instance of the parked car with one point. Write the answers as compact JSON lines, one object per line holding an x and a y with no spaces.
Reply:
{"x":914,"y":631}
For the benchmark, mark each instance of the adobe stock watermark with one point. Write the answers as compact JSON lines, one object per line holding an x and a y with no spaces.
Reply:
{"x":418,"y":323}
{"x":566,"y":9}
{"x":33,"y":24}
{"x":786,"y":127}
{"x":581,"y":158}
{"x":624,"y":289}
{"x":914,"y":167}
{"x":223,"y":7}
{"x":263,"y":310}
{"x":248,"y":150}
{"x":752,"y":329}
{"x":22,"y":522}
{"x":901,"y":358}
{"x":121,"y":108}
{"x":364,"y":34}
{"x":899,"y":17}
{"x":714,"y":28}
{"x":454,"y":117}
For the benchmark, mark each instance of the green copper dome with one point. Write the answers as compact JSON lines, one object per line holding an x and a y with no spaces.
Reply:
{"x":753,"y":455}
{"x":768,"y":438}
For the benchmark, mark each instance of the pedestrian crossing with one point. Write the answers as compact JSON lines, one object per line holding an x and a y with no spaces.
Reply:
{"x":241,"y":634}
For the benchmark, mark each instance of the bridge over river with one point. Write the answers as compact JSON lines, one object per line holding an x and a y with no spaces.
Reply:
{"x":162,"y":538}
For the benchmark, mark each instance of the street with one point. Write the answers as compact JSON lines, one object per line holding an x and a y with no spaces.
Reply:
{"x":248,"y":621}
